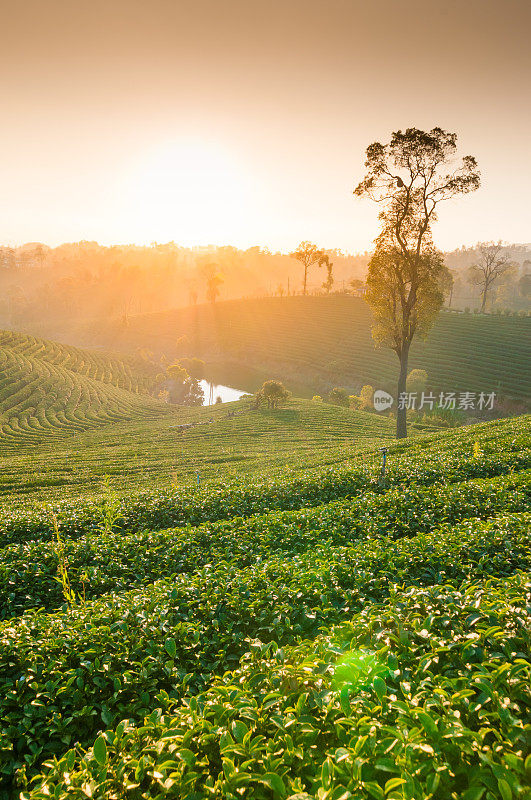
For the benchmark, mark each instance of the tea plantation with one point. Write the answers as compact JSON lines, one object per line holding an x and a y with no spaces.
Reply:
{"x":225,"y":442}
{"x":315,"y":342}
{"x":50,"y":391}
{"x":310,"y":633}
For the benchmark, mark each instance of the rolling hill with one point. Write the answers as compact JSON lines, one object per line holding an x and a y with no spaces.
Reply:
{"x":314,"y":343}
{"x":49,"y":391}
{"x":224,"y":442}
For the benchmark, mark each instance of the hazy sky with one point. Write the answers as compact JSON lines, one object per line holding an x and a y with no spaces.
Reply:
{"x":245,"y":121}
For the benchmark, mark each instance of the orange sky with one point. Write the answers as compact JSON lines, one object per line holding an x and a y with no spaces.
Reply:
{"x":245,"y":121}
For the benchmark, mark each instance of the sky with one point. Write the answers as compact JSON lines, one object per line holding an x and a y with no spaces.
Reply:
{"x":245,"y":122}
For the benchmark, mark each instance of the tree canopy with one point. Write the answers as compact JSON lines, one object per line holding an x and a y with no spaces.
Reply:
{"x":407,"y":279}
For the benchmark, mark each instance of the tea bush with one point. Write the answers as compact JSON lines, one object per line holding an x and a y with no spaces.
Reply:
{"x":425,"y":465}
{"x":64,"y":676}
{"x":422,"y":696}
{"x":113,"y":562}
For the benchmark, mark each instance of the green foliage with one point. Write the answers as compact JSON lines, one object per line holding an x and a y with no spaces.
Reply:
{"x":364,"y":400}
{"x":183,"y":388}
{"x":110,"y":509}
{"x":273,"y":393}
{"x":319,"y":635}
{"x":447,"y":720}
{"x":195,"y":367}
{"x":338,"y":397}
{"x":425,"y":462}
{"x":121,"y":561}
{"x":417,"y":381}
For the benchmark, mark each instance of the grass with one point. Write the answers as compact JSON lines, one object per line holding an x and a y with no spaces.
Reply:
{"x":314,"y":343}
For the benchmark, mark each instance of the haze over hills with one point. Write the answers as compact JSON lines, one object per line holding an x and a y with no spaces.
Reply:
{"x":51,"y":291}
{"x":315,"y":343}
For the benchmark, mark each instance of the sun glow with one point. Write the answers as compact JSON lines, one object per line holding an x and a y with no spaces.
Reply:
{"x":190,"y":192}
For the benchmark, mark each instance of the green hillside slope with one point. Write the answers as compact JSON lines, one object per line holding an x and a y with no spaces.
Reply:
{"x":48,"y":390}
{"x":318,"y":342}
{"x":324,"y":634}
{"x":153,"y":453}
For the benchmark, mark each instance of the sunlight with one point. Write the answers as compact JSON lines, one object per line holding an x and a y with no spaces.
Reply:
{"x":188,"y":191}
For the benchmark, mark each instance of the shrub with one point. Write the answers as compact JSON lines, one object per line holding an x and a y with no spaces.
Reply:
{"x":338,"y":397}
{"x":273,"y":393}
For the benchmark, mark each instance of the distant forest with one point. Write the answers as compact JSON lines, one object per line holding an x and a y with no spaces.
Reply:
{"x":49,"y":289}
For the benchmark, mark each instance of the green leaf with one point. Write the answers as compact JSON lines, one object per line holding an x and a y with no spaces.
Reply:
{"x":171,"y":647}
{"x":505,"y":789}
{"x":344,"y":700}
{"x":275,"y":783}
{"x":380,"y":688}
{"x":393,"y":783}
{"x":239,"y":729}
{"x":429,"y":725}
{"x":186,"y":755}
{"x":100,"y":750}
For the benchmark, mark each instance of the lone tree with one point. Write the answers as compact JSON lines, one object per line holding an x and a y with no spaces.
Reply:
{"x":406,"y":278}
{"x":329,"y":282}
{"x":214,"y":279}
{"x":309,"y":255}
{"x":492,"y":265}
{"x":274,"y":393}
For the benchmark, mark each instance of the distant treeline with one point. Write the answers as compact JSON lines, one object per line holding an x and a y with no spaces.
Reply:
{"x":85,"y":280}
{"x":49,"y":289}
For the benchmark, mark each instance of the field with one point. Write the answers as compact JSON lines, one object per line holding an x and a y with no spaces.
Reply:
{"x":153,"y":453}
{"x":49,"y":392}
{"x":286,"y":633}
{"x":314,"y":343}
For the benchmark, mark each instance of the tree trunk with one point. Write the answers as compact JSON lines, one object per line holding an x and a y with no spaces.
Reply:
{"x":484,"y":300}
{"x":401,"y":419}
{"x":305,"y":276}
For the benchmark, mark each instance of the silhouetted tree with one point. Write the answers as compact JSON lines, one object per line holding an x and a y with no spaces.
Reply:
{"x":493,"y":264}
{"x":183,"y":390}
{"x":214,"y":279}
{"x":329,"y":282}
{"x":338,"y":397}
{"x":195,"y":367}
{"x":409,"y":177}
{"x":309,"y":254}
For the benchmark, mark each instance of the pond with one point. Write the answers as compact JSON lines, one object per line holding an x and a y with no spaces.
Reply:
{"x":213,"y":390}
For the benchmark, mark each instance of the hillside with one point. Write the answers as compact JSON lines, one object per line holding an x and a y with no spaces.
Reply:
{"x":314,"y":343}
{"x":319,"y":634}
{"x":152,"y":453}
{"x":49,"y":391}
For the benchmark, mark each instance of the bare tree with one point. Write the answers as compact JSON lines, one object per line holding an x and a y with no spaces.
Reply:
{"x":493,"y":264}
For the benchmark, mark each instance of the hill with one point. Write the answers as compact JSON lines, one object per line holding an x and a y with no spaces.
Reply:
{"x":154,"y":453}
{"x":315,"y":343}
{"x":48,"y":390}
{"x":323,"y":634}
